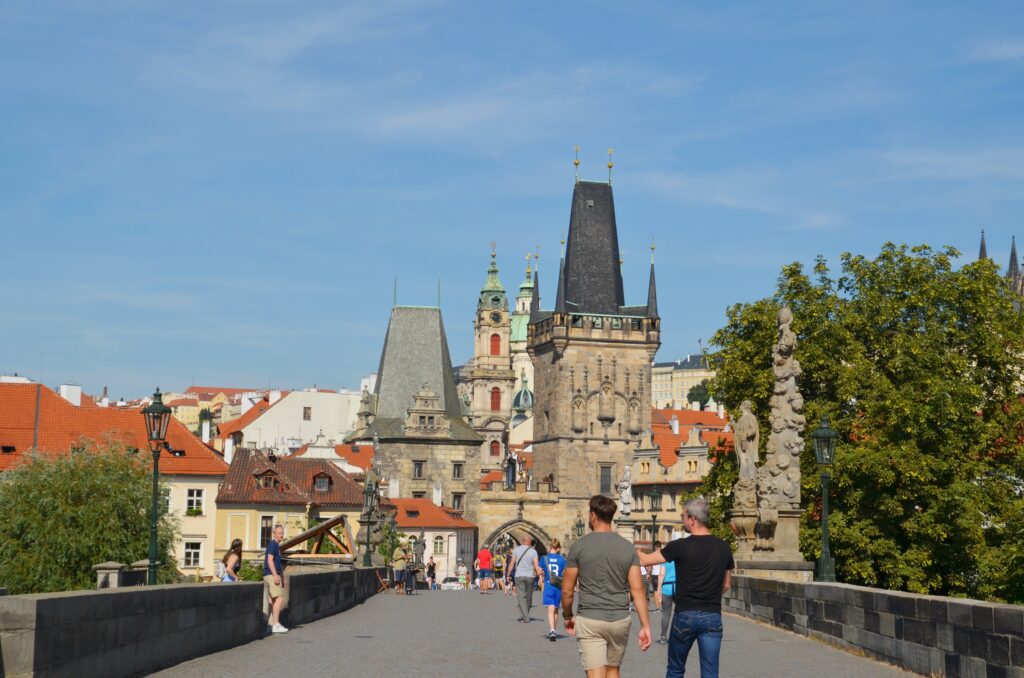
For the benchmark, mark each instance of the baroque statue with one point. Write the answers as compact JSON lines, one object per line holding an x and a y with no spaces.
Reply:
{"x":625,"y":488}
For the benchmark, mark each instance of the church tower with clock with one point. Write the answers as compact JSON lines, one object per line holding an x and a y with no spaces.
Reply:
{"x":491,"y":379}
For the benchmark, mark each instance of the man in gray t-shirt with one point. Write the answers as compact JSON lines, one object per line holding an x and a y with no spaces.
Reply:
{"x":607,"y":569}
{"x":525,"y":569}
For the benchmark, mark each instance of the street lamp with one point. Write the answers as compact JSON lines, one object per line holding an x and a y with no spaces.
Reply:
{"x":825,"y":450}
{"x":157,"y":417}
{"x":655,"y":507}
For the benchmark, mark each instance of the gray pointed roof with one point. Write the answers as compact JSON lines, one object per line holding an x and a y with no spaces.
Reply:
{"x":1013,"y":270}
{"x":652,"y":295}
{"x":593,"y":278}
{"x":983,"y":250}
{"x":415,"y":354}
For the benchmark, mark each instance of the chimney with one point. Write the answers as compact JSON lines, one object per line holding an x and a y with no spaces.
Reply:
{"x":695,"y":406}
{"x":721,"y":411}
{"x":274,"y":397}
{"x":674,"y":423}
{"x":71,"y":393}
{"x":229,"y":449}
{"x":206,"y":431}
{"x":104,"y":399}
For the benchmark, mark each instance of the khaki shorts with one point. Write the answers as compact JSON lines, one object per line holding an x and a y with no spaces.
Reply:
{"x":274,"y":590}
{"x":601,"y":643}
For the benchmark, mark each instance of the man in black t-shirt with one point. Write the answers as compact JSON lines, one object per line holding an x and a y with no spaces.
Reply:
{"x":704,"y":567}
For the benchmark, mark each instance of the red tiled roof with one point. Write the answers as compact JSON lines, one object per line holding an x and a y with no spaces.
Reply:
{"x":357,"y":455}
{"x":63,"y":426}
{"x":251,"y":415}
{"x":178,"y":402}
{"x":491,"y":477}
{"x":295,"y":482}
{"x":712,"y":431}
{"x":425,"y":514}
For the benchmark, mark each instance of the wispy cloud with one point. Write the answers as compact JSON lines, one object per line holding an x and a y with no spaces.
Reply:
{"x":985,"y":163}
{"x":996,"y":50}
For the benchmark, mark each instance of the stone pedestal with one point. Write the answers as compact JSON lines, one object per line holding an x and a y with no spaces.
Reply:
{"x":779,"y":570}
{"x":367,"y":526}
{"x":784,"y":561}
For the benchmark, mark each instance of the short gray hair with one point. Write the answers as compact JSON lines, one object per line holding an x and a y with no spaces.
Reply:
{"x":277,"y":526}
{"x":697,"y":508}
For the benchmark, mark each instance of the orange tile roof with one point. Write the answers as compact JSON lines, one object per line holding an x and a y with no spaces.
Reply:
{"x":491,"y":477}
{"x":357,"y":455}
{"x":251,"y":415}
{"x":295,"y":482}
{"x":712,"y":431}
{"x":214,"y":390}
{"x":63,"y":426}
{"x":425,"y":515}
{"x":187,"y":402}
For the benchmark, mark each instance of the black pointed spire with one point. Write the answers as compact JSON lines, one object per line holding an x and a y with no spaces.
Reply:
{"x":1013,"y":271}
{"x":535,"y":301}
{"x":593,"y":277}
{"x":560,"y":297}
{"x":652,"y":296}
{"x":982,"y":251}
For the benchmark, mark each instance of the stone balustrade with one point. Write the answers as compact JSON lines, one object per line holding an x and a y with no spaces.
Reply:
{"x":136,"y":630}
{"x":931,"y":635}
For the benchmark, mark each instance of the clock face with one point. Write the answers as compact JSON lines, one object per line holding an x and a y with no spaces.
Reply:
{"x":495,"y":316}
{"x":495,"y":301}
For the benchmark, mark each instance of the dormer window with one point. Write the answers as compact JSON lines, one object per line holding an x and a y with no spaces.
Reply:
{"x":412,"y":514}
{"x":322,"y":483}
{"x":268,"y":480}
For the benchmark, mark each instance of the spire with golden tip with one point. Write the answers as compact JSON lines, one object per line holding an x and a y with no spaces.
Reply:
{"x":576,"y":164}
{"x":610,"y":165}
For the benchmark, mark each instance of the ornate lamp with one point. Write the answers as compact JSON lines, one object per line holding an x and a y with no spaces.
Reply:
{"x":825,"y":450}
{"x":157,"y":416}
{"x":655,"y":508}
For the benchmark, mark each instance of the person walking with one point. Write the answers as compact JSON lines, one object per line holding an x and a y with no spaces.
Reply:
{"x":668,"y":590}
{"x":524,"y":564}
{"x":399,"y":559}
{"x":231,"y":563}
{"x":431,"y":574}
{"x":607,"y":569}
{"x":553,"y":566}
{"x":273,"y":575}
{"x":703,"y":573}
{"x":498,"y":570}
{"x":482,"y":565}
{"x":510,"y":586}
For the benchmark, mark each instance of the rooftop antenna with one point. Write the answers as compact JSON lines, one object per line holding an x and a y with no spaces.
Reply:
{"x":576,"y":164}
{"x":610,"y":165}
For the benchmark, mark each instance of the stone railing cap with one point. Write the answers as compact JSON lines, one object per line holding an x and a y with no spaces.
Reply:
{"x":109,"y":565}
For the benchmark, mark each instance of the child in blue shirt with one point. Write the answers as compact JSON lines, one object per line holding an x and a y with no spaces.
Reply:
{"x":553,"y":565}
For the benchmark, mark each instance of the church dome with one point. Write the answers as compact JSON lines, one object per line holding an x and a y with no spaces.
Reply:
{"x":523,"y":399}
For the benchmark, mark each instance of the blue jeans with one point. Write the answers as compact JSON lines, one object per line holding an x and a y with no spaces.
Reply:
{"x":688,"y":626}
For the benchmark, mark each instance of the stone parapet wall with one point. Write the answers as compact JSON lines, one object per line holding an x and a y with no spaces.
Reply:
{"x":133,"y":631}
{"x":931,"y":635}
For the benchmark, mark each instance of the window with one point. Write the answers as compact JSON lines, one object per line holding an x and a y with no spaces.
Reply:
{"x":194,"y":502}
{"x":193,"y":553}
{"x":165,"y":493}
{"x":606,"y":480}
{"x":457,"y":470}
{"x":423,"y":420}
{"x":438,"y":546}
{"x":268,"y":480}
{"x":7,"y":449}
{"x":417,"y":469}
{"x":322,"y":483}
{"x":430,"y":420}
{"x":495,"y":448}
{"x":307,"y":413}
{"x":495,"y":399}
{"x":495,"y":344}
{"x":419,"y":495}
{"x":457,"y":498}
{"x":266,"y":530}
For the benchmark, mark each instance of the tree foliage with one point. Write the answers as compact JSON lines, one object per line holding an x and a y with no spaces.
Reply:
{"x":63,"y":515}
{"x":698,"y":393}
{"x":919,"y":367}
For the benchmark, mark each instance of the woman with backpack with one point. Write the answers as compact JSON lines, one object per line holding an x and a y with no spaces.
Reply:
{"x":231,"y":563}
{"x":668,"y":590}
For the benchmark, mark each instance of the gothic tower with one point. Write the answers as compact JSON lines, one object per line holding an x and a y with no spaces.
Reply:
{"x":491,"y":379}
{"x":592,"y":359}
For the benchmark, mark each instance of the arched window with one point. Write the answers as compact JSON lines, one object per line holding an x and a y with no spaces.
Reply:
{"x":438,"y":546}
{"x":495,"y":344}
{"x":495,"y":448}
{"x":495,"y":399}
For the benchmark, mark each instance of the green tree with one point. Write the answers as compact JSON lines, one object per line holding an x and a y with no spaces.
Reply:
{"x":63,"y":515}
{"x":918,"y":367}
{"x":698,"y":393}
{"x":390,"y":538}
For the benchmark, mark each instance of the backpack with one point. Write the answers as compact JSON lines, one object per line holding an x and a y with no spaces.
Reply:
{"x":221,"y":570}
{"x":668,"y":579}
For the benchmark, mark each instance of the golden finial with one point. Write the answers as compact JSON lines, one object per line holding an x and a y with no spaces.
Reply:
{"x":563,"y":244}
{"x":528,"y":257}
{"x":576,"y":163}
{"x":536,"y":259}
{"x":652,"y":251}
{"x":494,"y":250}
{"x":620,"y":264}
{"x":610,"y":164}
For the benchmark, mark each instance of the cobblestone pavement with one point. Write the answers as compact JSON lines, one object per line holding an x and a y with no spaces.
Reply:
{"x":463,"y":633}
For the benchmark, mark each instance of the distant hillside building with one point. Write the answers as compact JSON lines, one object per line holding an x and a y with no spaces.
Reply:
{"x":671,"y":381}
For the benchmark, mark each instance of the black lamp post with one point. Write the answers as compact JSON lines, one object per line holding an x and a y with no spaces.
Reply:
{"x":655,"y":507}
{"x":825,"y":450}
{"x":157,"y":417}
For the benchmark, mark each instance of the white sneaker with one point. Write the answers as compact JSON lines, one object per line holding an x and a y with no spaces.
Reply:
{"x":277,"y":628}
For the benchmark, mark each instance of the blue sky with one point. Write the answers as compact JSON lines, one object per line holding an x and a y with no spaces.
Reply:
{"x":223,"y":192}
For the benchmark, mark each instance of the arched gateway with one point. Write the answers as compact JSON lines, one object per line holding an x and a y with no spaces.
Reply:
{"x":511,"y":534}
